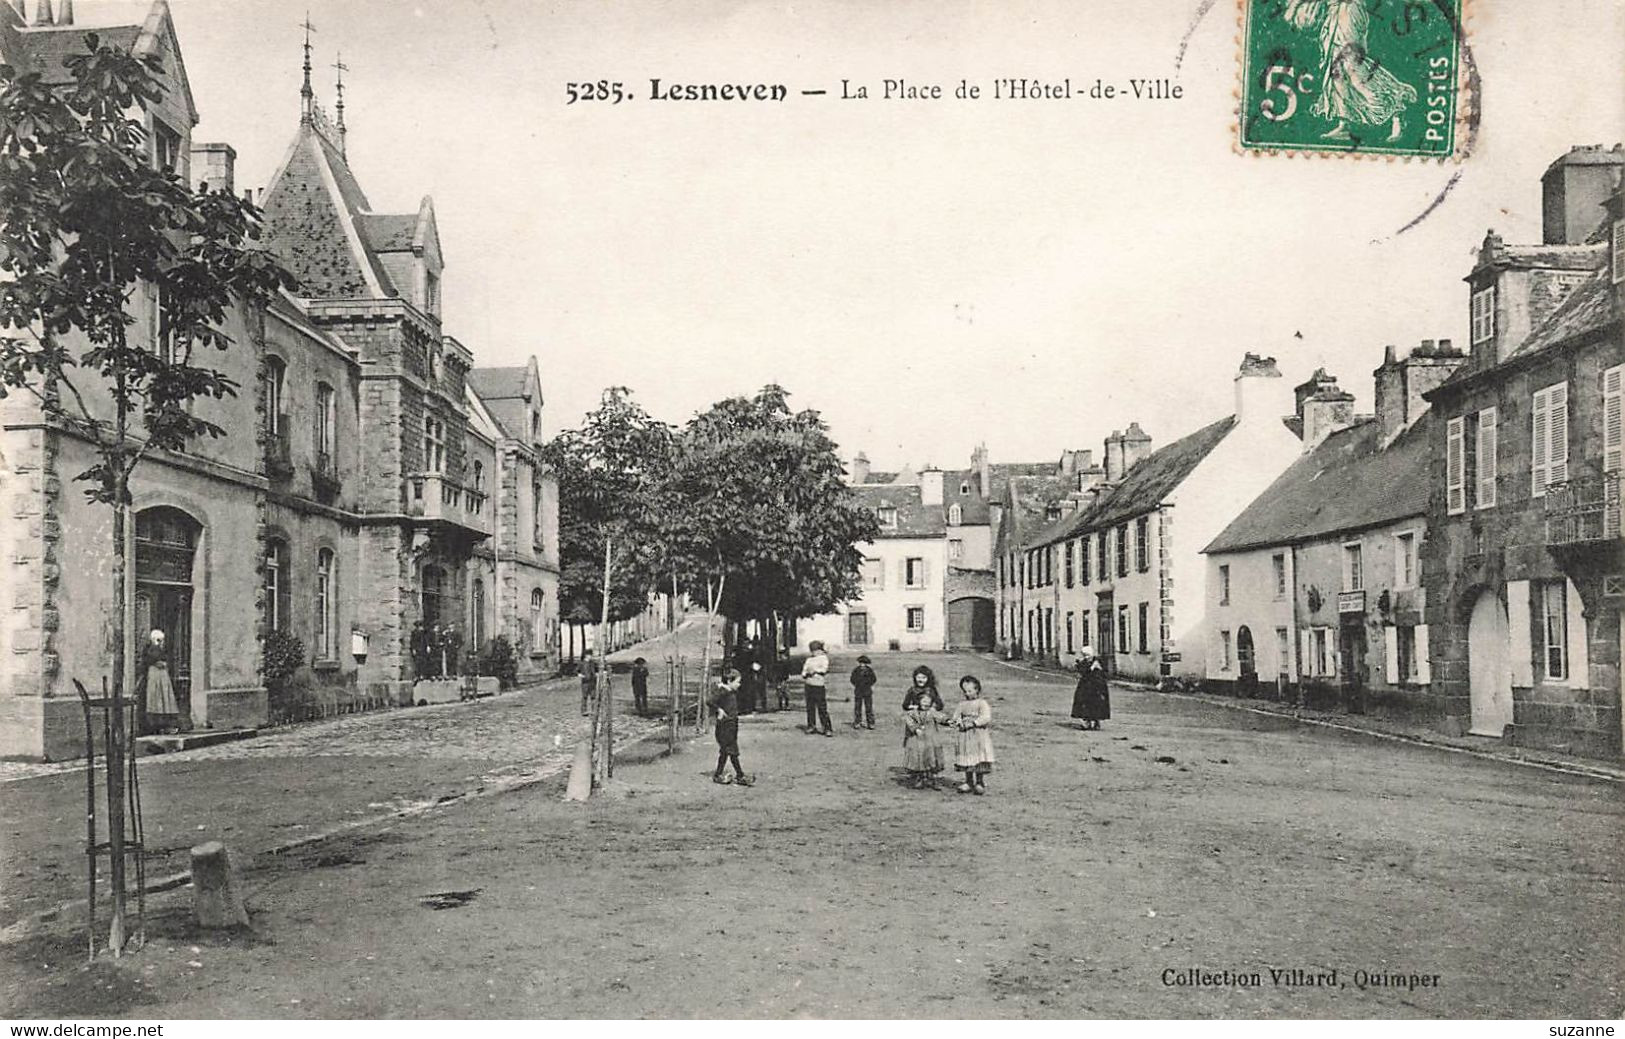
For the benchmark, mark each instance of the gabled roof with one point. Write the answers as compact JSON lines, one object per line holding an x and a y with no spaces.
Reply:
{"x":505,"y":392}
{"x":320,"y":224}
{"x":44,"y":47}
{"x":1149,"y":483}
{"x":914,"y":520}
{"x":500,"y":383}
{"x":1347,"y":483}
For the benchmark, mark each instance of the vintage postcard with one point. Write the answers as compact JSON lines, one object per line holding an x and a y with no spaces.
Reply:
{"x":730,"y":510}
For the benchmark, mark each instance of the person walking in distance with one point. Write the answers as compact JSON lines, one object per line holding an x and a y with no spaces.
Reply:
{"x":814,"y":678}
{"x":589,"y":679}
{"x":640,"y":686}
{"x":1091,"y":701}
{"x":725,"y":701}
{"x":863,"y":693}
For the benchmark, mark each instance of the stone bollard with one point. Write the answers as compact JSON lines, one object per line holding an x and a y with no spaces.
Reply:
{"x":216,"y":899}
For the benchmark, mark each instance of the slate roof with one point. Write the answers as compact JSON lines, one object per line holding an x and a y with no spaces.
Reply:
{"x":500,"y":383}
{"x":880,"y":478}
{"x":305,"y":223}
{"x":914,"y":520}
{"x":1587,"y":307}
{"x":1549,"y":257}
{"x":1349,"y":482}
{"x":1148,"y":484}
{"x":974,"y":510}
{"x":46,"y":49}
{"x":999,"y":475}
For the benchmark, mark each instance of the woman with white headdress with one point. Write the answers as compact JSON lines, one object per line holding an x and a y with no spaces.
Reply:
{"x":158,"y":690}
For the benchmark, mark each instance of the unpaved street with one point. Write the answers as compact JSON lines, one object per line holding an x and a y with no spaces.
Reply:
{"x":1100,"y":870}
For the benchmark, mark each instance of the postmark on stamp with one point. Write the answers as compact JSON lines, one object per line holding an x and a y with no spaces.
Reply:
{"x":1376,"y":77}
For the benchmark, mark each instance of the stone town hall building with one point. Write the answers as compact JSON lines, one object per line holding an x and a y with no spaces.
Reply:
{"x":371,"y":477}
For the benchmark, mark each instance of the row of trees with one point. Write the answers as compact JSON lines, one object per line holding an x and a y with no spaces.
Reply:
{"x":745,"y":508}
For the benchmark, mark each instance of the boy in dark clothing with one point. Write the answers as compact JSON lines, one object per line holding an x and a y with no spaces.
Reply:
{"x":726,"y":703}
{"x":640,"y":686}
{"x":863,"y":693}
{"x":589,"y":679}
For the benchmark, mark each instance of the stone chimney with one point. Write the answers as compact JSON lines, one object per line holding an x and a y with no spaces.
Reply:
{"x":1400,"y":383}
{"x":1261,"y":394}
{"x":1136,"y":445}
{"x":215,"y":166}
{"x":1573,"y":191}
{"x":1114,"y":456}
{"x":860,"y":469}
{"x":1329,"y":410}
{"x":983,"y":470}
{"x":930,"y":486}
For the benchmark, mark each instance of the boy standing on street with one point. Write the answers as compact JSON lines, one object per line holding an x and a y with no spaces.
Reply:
{"x":589,"y":679}
{"x":640,"y":686}
{"x":814,"y":676}
{"x":863,"y":693}
{"x":725,"y":701}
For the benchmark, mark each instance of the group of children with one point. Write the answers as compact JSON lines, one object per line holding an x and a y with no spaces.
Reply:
{"x":924,"y":718}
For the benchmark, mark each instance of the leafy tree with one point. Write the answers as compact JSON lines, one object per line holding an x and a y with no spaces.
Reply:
{"x":765,"y":520}
{"x":88,"y":221}
{"x":608,"y":473}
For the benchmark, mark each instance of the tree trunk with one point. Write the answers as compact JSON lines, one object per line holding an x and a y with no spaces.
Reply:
{"x":116,"y":747}
{"x":604,"y":707}
{"x":676,"y":698}
{"x":713,"y":600}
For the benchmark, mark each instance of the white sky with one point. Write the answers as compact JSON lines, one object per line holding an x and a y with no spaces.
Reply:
{"x":926,"y":274}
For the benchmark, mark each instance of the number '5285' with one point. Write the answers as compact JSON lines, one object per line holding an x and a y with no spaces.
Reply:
{"x":603,"y":90}
{"x":1289,"y":83}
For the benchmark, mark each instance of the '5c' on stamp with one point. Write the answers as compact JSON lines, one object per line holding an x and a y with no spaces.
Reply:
{"x":1338,"y":76}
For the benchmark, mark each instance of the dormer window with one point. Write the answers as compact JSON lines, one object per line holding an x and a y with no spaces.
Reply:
{"x":887,"y":515}
{"x":166,"y":148}
{"x":956,"y":515}
{"x":1483,"y":315}
{"x":964,"y":487}
{"x":431,"y":293}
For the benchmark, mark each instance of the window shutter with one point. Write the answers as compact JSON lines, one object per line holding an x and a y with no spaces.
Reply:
{"x":1390,"y":640}
{"x":1455,"y":472}
{"x":925,"y":573}
{"x":1424,"y":670}
{"x":1523,"y":652}
{"x":1579,"y":659}
{"x":1486,"y":458}
{"x":1557,"y":459}
{"x":902,"y":574}
{"x":1305,"y":660}
{"x":1539,"y":443}
{"x":1613,"y":433}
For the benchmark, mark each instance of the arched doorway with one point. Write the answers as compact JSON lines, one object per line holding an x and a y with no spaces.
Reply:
{"x":165,"y":547}
{"x":1246,"y":659}
{"x":1489,"y":674}
{"x":970,"y":624}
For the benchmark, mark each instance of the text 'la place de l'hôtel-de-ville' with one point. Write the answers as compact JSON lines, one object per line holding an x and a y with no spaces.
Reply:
{"x":1001,"y":89}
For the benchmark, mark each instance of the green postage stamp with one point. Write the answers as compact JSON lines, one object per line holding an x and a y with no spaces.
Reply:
{"x":1377,"y":77}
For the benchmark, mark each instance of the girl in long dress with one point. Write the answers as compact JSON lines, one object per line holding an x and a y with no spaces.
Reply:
{"x":1354,"y":87}
{"x":163,"y":709}
{"x":973,"y":747}
{"x":922,"y":743}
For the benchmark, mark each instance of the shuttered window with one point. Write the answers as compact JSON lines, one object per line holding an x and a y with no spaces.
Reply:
{"x":1483,"y":314}
{"x":1612,"y":444}
{"x":1486,"y":459}
{"x":1549,"y":438}
{"x":1455,"y":478}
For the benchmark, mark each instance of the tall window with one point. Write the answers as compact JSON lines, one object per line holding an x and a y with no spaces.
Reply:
{"x":874,"y":573}
{"x":479,"y":477}
{"x":1484,"y":458}
{"x":476,"y":607}
{"x":956,"y":550}
{"x":1554,"y":629}
{"x":1353,"y":571}
{"x":1104,"y":572}
{"x":1549,"y":434}
{"x":1278,"y":561}
{"x":276,"y":374}
{"x":1071,"y":563}
{"x":1122,"y":627}
{"x":538,"y":622}
{"x":1069,"y":634}
{"x":1405,"y":560}
{"x":431,"y":293}
{"x":1483,"y":314}
{"x":956,"y":515}
{"x":166,"y":147}
{"x":1224,"y":650}
{"x":326,"y":606}
{"x":326,"y":416}
{"x":536,"y":531}
{"x":1320,"y":646}
{"x":1142,"y":544}
{"x":914,"y":572}
{"x":1145,"y":626}
{"x":1083,"y":628}
{"x":1083,"y":559}
{"x":1122,"y":550}
{"x":1283,"y":652}
{"x":434,"y":445}
{"x":276,"y":584}
{"x":1224,"y":584}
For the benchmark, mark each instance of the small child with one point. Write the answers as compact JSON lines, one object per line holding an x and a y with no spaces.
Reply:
{"x":781,"y":678}
{"x":863,"y":693}
{"x":922,"y":715}
{"x":973,"y":747}
{"x":640,"y":686}
{"x":726,"y":703}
